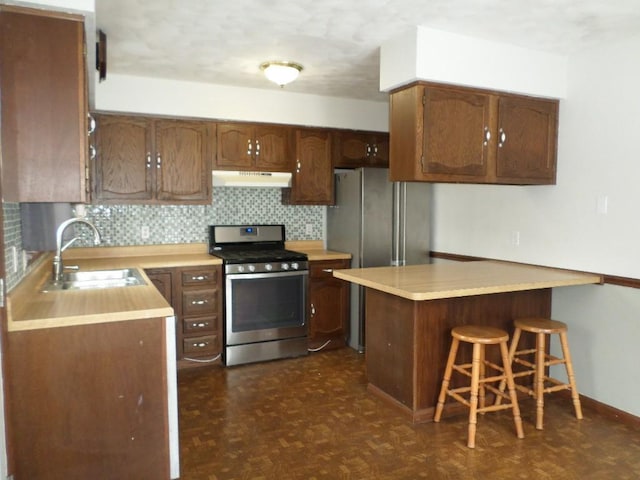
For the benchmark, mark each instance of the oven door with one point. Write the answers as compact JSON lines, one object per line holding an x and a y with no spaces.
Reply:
{"x":265,"y":306}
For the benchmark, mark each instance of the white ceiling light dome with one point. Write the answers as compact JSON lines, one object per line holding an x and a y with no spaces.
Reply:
{"x":281,"y":73}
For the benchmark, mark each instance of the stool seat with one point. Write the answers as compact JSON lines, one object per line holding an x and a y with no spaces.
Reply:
{"x":479,"y":334}
{"x":540,"y":325}
{"x":536,"y":362}
{"x":479,"y":337}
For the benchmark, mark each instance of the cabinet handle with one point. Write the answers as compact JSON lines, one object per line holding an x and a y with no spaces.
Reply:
{"x":313,"y":310}
{"x":298,"y":166}
{"x":201,"y":325}
{"x":487,"y":136}
{"x":158,"y":161}
{"x":92,"y":152}
{"x":249,"y":147}
{"x":503,"y":138}
{"x":198,"y":302}
{"x":148,"y":159}
{"x":375,"y":149}
{"x":368,"y":151}
{"x":257,"y":148}
{"x":92,"y":124}
{"x":199,"y":278}
{"x":200,"y":345}
{"x":327,"y":270}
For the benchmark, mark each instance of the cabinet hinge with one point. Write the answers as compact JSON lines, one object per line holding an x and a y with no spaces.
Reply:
{"x":422,"y":162}
{"x":424,"y":99}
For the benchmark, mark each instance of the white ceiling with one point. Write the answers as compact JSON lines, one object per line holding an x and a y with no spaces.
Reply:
{"x":337,"y":41}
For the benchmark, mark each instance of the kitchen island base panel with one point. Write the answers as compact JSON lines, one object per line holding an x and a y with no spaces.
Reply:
{"x":408,"y":341}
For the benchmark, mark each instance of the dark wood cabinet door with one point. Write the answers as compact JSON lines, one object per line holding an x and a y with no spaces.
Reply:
{"x":235,"y":146}
{"x":456,"y":127}
{"x":329,"y":305}
{"x":360,"y":149}
{"x":183,"y":161}
{"x":44,"y":106}
{"x":272,"y":151}
{"x":526,"y":140}
{"x":161,"y":279}
{"x":313,"y":174}
{"x":123,"y":168}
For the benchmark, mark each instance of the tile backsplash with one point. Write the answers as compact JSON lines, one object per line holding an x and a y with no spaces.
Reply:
{"x":122,"y":225}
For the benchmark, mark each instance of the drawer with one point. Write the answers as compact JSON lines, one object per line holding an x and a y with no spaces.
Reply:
{"x":325,"y":269}
{"x":199,"y":302}
{"x":200,"y":325}
{"x":204,"y":345}
{"x":198,"y":276}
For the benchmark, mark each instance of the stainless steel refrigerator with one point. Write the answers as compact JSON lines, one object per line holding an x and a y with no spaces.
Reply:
{"x":380,"y":223}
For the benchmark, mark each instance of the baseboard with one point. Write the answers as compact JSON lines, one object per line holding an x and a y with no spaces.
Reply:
{"x":605,"y":410}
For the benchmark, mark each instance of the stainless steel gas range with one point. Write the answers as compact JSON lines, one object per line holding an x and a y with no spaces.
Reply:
{"x":265,"y":292}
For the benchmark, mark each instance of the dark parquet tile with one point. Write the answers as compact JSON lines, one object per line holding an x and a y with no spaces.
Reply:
{"x":312,"y":418}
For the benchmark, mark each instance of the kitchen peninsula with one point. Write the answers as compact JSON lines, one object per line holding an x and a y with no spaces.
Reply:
{"x":411,"y":310}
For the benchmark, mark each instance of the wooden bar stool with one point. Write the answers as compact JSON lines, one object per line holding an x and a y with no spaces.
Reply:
{"x":537,"y":367}
{"x":479,"y":336}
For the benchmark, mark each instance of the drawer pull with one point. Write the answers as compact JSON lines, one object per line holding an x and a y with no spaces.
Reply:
{"x":199,"y":302}
{"x":200,"y":345}
{"x":200,"y":325}
{"x":199,"y":278}
{"x":327,"y":270}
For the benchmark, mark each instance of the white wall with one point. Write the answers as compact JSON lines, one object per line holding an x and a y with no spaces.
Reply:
{"x":560,"y":225}
{"x":434,"y":55}
{"x":126,"y":93}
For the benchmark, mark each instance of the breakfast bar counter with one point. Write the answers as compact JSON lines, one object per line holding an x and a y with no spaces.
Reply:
{"x":411,"y":310}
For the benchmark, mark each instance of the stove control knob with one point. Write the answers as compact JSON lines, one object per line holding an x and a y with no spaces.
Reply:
{"x":295,"y":265}
{"x":240,"y":268}
{"x":252,"y":268}
{"x":268,"y":267}
{"x":284,"y":266}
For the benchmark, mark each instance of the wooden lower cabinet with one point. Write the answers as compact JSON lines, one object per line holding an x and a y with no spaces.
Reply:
{"x":195,"y":293}
{"x":329,"y":305}
{"x":89,"y":401}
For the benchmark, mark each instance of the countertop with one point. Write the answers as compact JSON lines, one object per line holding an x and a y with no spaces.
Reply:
{"x":29,"y":308}
{"x":448,"y":280}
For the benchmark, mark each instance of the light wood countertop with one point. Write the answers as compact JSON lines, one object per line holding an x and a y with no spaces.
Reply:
{"x":433,"y":281}
{"x":29,"y":308}
{"x":315,"y":251}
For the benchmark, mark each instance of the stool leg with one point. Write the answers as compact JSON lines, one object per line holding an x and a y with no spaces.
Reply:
{"x":512,"y":353}
{"x":539,"y":379}
{"x":445,"y":381}
{"x":572,"y":380}
{"x":506,"y":364}
{"x":481,"y":389}
{"x":473,"y":401}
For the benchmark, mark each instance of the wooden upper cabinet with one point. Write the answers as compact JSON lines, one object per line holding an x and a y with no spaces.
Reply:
{"x":148,"y":160}
{"x":456,"y":134}
{"x":456,"y":123}
{"x":122,"y":165}
{"x":44,"y":106}
{"x":253,"y":147}
{"x":183,"y":160}
{"x":313,"y":174}
{"x":527,"y":133}
{"x":353,"y":149}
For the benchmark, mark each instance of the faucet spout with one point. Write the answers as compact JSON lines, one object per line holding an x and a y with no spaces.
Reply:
{"x":57,"y":259}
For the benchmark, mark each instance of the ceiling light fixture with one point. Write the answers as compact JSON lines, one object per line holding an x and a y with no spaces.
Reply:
{"x":281,"y":73}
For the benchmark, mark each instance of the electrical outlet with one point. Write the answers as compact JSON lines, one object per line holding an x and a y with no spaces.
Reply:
{"x":515,"y":238}
{"x":144,"y":231}
{"x":308,"y":229}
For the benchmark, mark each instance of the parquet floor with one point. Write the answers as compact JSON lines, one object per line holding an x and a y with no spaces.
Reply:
{"x":312,"y":418}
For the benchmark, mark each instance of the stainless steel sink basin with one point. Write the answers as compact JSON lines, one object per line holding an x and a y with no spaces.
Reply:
{"x":92,"y":279}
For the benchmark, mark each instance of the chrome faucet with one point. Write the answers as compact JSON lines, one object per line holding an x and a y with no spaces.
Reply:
{"x":57,"y":259}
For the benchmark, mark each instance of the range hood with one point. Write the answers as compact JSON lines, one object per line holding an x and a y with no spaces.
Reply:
{"x":229,"y":178}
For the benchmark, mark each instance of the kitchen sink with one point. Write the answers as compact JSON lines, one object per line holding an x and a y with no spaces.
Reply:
{"x":93,"y":279}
